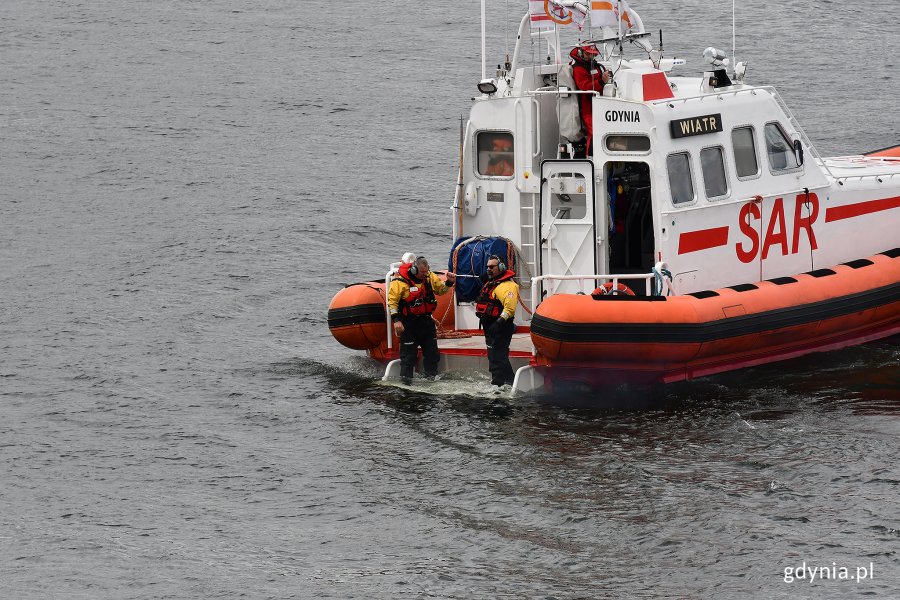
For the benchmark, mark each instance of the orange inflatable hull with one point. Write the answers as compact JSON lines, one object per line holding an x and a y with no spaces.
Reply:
{"x":892,"y":152}
{"x":681,"y":337}
{"x":357,"y":318}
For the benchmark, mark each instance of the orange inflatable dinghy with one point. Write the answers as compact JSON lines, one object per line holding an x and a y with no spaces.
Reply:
{"x":356,"y":316}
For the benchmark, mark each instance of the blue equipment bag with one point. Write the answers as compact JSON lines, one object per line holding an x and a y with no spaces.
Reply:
{"x":469,"y":257}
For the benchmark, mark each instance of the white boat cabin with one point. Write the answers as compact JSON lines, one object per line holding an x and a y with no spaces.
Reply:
{"x":711,"y":177}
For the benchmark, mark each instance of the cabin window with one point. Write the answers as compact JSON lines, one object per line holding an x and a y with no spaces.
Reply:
{"x":568,"y":196}
{"x":712,"y":162}
{"x":679,"y":168}
{"x":495,"y":154}
{"x":627,"y":143}
{"x":744,"y":147}
{"x":779,"y":149}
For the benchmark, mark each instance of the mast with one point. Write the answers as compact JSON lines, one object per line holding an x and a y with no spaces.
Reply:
{"x":483,"y":45}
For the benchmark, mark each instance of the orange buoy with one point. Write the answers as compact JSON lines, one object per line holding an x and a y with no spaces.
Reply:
{"x":356,"y":316}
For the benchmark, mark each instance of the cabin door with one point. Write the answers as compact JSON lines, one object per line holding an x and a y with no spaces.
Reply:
{"x":567,"y":220}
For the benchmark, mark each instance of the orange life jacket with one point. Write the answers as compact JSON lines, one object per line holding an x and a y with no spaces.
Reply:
{"x":486,"y":306}
{"x":421,"y":299}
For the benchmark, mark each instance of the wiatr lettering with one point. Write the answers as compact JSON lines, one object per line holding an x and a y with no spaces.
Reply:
{"x":696,"y":125}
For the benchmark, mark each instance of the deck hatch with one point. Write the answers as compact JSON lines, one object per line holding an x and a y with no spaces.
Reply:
{"x":859,"y":263}
{"x":703,"y":294}
{"x":821,"y":273}
{"x":782,"y":280}
{"x":743,"y":287}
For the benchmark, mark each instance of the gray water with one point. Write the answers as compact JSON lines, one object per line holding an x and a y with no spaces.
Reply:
{"x":186,"y":184}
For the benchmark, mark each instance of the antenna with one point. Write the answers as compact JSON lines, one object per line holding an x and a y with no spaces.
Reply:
{"x":733,"y":26}
{"x":619,"y":19}
{"x":483,"y":50}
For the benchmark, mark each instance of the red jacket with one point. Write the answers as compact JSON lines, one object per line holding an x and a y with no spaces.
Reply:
{"x":586,"y":81}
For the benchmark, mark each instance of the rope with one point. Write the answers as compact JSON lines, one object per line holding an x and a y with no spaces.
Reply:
{"x":512,"y":250}
{"x":522,"y":304}
{"x":443,"y":333}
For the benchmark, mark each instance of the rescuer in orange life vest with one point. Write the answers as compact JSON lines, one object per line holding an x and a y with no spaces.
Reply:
{"x":496,"y":307}
{"x":589,"y":75}
{"x":411,"y":300}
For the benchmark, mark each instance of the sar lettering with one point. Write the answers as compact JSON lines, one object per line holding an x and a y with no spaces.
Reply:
{"x":806,"y":211}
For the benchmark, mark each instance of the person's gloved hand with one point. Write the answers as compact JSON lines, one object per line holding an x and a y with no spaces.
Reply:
{"x":494,"y":328}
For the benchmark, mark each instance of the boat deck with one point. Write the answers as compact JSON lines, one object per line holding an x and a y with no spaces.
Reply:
{"x":520,"y":346}
{"x":460,"y":355}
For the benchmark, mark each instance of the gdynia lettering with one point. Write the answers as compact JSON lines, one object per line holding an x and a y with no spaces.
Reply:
{"x":623,"y":116}
{"x":808,"y":573}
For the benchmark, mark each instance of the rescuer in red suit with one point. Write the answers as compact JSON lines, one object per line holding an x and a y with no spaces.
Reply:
{"x":589,"y":75}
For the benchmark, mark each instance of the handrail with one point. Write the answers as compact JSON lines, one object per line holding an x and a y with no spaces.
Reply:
{"x":596,"y":277}
{"x":387,"y":311}
{"x":879,"y":177}
{"x":559,"y":92}
{"x":865,"y":158}
{"x":860,"y":161}
{"x":660,"y":275}
{"x":708,"y":96}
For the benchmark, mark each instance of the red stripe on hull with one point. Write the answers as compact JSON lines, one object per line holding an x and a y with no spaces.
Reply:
{"x":823,"y":345}
{"x":838,"y":213}
{"x":693,"y":241}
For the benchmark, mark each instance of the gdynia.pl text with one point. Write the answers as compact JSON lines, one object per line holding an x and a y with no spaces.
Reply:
{"x":833,"y":572}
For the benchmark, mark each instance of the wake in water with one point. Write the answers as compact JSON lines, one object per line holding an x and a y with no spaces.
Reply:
{"x":470,"y":384}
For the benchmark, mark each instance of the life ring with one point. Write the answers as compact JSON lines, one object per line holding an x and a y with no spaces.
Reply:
{"x":607,"y":289}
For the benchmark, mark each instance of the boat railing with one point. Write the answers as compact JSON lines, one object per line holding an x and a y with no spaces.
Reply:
{"x":559,"y":92}
{"x":551,"y":36}
{"x":394,"y":268}
{"x":862,"y":160}
{"x":658,"y":282}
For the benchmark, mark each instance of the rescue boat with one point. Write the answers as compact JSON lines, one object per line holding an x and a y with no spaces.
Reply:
{"x":699,"y":232}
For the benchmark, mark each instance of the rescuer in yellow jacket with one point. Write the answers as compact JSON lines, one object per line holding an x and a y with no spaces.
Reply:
{"x":411,"y":300}
{"x":496,"y":307}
